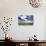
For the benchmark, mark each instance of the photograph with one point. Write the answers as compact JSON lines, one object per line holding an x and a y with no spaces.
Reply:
{"x":25,"y":20}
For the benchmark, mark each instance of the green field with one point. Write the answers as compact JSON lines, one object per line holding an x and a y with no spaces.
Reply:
{"x":25,"y":23}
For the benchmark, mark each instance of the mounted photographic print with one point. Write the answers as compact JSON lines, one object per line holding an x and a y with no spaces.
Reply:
{"x":25,"y":20}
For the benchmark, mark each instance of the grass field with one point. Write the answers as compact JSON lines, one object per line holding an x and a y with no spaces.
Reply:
{"x":25,"y":23}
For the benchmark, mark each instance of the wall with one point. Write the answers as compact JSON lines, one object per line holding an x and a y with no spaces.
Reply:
{"x":14,"y":8}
